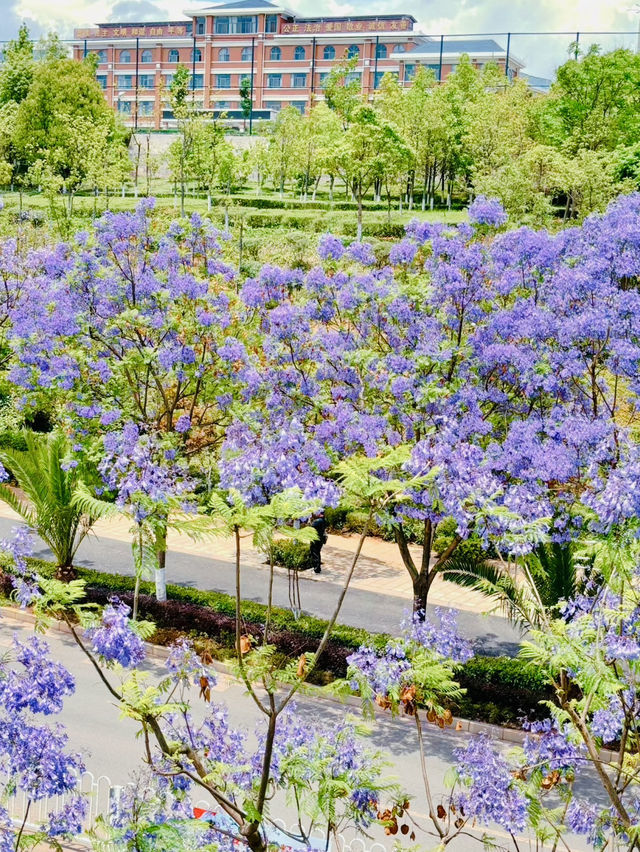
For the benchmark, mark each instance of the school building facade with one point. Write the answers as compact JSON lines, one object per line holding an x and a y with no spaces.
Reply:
{"x":285,"y":58}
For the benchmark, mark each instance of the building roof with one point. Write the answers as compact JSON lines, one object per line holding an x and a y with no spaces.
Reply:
{"x":460,"y":45}
{"x":247,"y":6}
{"x":239,"y":5}
{"x":327,"y":18}
{"x":538,"y":83}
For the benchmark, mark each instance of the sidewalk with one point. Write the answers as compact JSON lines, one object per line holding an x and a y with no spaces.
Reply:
{"x":379,"y":569}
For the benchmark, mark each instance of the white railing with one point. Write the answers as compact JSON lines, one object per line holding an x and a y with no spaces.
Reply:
{"x":100,"y":793}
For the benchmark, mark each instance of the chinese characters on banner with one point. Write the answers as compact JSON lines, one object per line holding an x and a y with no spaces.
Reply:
{"x":347,"y":26}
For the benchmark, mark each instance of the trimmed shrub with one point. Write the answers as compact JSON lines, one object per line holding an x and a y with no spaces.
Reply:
{"x":294,"y":555}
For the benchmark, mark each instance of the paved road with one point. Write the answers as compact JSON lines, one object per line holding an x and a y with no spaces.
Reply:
{"x":109,"y":746}
{"x":379,"y":613}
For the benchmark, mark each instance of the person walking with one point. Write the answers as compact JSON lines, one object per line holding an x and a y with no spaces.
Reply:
{"x":315,"y":548}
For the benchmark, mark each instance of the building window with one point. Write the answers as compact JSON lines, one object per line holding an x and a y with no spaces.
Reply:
{"x":274,"y":106}
{"x":353,"y":77}
{"x":196,"y":55}
{"x":245,"y":24}
{"x":146,"y":56}
{"x":381,"y":51}
{"x":200,"y":29}
{"x":298,"y":81}
{"x":168,"y":80}
{"x":222,"y":25}
{"x":145,"y":108}
{"x":125,"y":81}
{"x":410,"y":71}
{"x":102,"y":81}
{"x":271,"y":24}
{"x":377,"y":79}
{"x":224,"y":55}
{"x":276,"y":54}
{"x":125,"y":56}
{"x":399,"y":48}
{"x":124,"y":107}
{"x":300,"y":53}
{"x":197,"y":81}
{"x":146,"y":81}
{"x":243,"y":77}
{"x":246,"y":54}
{"x":329,"y":52}
{"x":223,"y":104}
{"x":301,"y":106}
{"x":223,"y":81}
{"x":353,"y":50}
{"x":274,"y":81}
{"x":322,"y":77}
{"x":174,"y":56}
{"x":102,"y":56}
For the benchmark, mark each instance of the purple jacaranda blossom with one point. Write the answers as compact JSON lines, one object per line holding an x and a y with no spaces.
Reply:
{"x":547,"y":747}
{"x":40,"y":685}
{"x":330,"y":247}
{"x":487,"y":211}
{"x":363,"y":253}
{"x":114,"y":640}
{"x":183,"y":423}
{"x":402,"y":253}
{"x":488,"y":790}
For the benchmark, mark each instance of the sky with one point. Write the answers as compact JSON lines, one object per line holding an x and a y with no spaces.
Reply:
{"x":541,"y":54}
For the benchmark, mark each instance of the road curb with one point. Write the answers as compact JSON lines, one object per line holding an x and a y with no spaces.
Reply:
{"x":160,"y":653}
{"x":458,"y":726}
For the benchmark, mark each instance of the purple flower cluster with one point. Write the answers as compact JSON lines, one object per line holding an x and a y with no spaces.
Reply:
{"x":443,"y":639}
{"x":24,"y":581}
{"x":330,"y":247}
{"x":487,"y":211}
{"x":488,"y":791}
{"x":114,"y":641}
{"x":548,"y":748}
{"x":34,"y":761}
{"x":139,"y":469}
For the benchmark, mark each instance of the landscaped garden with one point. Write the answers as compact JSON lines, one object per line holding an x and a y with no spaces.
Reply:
{"x":458,"y":377}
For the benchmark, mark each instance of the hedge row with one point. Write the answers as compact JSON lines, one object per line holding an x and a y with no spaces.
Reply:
{"x":500,"y":690}
{"x":278,"y":219}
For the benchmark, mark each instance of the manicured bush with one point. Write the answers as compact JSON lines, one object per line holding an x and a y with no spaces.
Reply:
{"x":294,"y":555}
{"x":499,"y":690}
{"x":502,"y":690}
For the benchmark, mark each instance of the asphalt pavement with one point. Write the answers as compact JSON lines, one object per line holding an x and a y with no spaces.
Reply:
{"x":379,"y":613}
{"x":110,"y":748}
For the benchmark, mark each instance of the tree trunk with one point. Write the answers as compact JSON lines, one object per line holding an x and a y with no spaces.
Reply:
{"x":66,"y":573}
{"x":160,"y":571}
{"x":359,"y":229}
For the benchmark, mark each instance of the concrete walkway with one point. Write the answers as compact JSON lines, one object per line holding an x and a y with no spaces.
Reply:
{"x":378,"y":598}
{"x":379,"y":569}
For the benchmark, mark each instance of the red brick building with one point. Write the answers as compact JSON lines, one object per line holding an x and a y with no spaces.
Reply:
{"x":284,"y":56}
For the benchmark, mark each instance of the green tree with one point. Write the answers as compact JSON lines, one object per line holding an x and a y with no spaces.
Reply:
{"x":284,"y":147}
{"x":595,"y":101}
{"x":205,"y":156}
{"x":530,"y":592}
{"x":246,"y":100}
{"x":342,"y":94}
{"x":16,"y":74}
{"x":181,"y":150}
{"x":45,"y":500}
{"x":368,"y":151}
{"x":61,"y":124}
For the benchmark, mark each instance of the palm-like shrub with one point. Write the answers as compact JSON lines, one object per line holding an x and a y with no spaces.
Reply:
{"x":45,"y":496}
{"x":547,"y":576}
